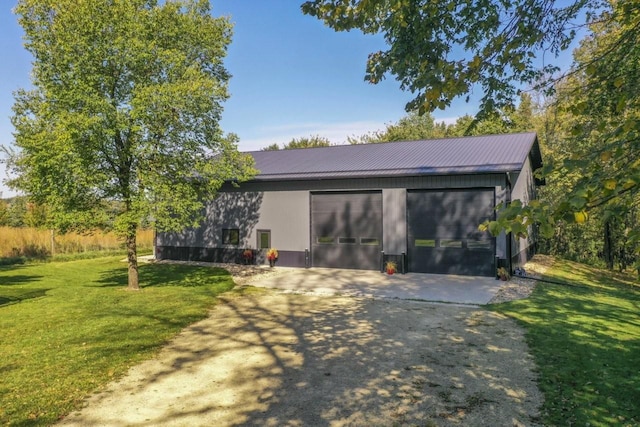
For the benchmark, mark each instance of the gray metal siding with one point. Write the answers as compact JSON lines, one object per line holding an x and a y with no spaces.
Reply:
{"x":394,"y":206}
{"x":284,"y":209}
{"x":228,"y":210}
{"x":286,"y":214}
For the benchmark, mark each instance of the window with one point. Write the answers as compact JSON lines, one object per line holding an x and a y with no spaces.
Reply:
{"x":326,"y":240}
{"x":479,"y":244}
{"x":369,"y":241}
{"x":450,"y":243}
{"x":347,"y":240}
{"x":231,"y":236}
{"x":264,"y":239}
{"x":425,"y":243}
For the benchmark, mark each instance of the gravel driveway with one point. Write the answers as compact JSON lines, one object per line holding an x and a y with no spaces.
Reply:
{"x":274,"y":359}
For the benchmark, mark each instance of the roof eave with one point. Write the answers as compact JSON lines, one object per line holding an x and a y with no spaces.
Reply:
{"x":382,"y":174}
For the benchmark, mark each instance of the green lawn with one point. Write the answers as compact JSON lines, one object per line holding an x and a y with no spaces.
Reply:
{"x":585,"y":339}
{"x":67,"y":328}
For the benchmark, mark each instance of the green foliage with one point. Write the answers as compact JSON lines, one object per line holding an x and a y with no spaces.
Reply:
{"x":411,"y":127}
{"x":302,"y":142}
{"x":272,"y":147}
{"x":443,"y":50}
{"x":415,"y":126}
{"x":4,"y":213}
{"x":310,"y":142}
{"x":509,"y":119}
{"x":125,"y":107}
{"x":585,"y":338}
{"x":17,"y":211}
{"x":447,"y":49}
{"x":59,"y":320}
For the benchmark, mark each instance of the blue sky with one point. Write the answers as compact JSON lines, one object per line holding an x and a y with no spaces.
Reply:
{"x":292,"y":77}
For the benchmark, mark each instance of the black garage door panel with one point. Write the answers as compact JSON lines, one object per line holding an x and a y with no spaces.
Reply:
{"x":443,"y":232}
{"x":346,"y":230}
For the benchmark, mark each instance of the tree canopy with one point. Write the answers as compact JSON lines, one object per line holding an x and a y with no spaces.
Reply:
{"x":447,"y":49}
{"x":125,"y":106}
{"x":302,"y":142}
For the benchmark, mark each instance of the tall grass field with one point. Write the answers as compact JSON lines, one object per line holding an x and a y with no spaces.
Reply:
{"x":38,"y":243}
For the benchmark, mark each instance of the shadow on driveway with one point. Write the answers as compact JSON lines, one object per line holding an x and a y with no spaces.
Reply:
{"x":277,"y":359}
{"x":426,"y":287}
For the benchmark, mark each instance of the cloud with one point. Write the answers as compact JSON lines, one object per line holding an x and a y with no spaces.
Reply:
{"x":336,"y":132}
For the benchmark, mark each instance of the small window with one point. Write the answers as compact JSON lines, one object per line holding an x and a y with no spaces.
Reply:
{"x":369,"y":241}
{"x":326,"y":240}
{"x":347,"y":240}
{"x":450,"y":243}
{"x":425,"y":243}
{"x":231,"y":236}
{"x":479,"y":245}
{"x":264,"y":239}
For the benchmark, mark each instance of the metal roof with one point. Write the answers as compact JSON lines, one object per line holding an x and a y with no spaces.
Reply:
{"x":464,"y":155}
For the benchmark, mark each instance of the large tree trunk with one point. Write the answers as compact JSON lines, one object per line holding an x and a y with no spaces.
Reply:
{"x":132,"y":258}
{"x":608,"y":245}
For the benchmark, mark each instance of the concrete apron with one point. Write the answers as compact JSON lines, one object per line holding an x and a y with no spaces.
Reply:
{"x":367,"y":283}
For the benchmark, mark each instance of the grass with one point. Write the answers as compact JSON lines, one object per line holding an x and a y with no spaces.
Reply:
{"x":585,"y":338}
{"x":68,"y":328}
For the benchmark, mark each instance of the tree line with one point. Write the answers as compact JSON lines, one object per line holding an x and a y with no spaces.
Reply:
{"x":20,"y":212}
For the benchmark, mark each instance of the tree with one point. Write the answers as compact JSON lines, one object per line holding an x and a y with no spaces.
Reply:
{"x":124,"y":111}
{"x":302,"y":142}
{"x":442,"y":50}
{"x":447,"y":49}
{"x":411,"y":127}
{"x":17,"y":211}
{"x":4,"y":213}
{"x":272,"y":147}
{"x":35,"y":216}
{"x":308,"y":142}
{"x":594,"y":164}
{"x":508,"y":119}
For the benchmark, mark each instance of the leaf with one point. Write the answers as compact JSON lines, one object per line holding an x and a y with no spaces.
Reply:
{"x":618,"y":82}
{"x":577,"y":202}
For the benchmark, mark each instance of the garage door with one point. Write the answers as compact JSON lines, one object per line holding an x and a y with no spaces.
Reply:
{"x":443,"y":234}
{"x":346,"y":230}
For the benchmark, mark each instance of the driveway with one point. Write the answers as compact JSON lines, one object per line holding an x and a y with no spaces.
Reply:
{"x":366,"y":283}
{"x":268,"y":358}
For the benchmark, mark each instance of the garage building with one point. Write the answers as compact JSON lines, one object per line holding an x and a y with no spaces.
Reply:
{"x":418,"y":203}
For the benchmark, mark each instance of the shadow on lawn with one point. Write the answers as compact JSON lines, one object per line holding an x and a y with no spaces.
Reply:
{"x":13,"y":279}
{"x":586,"y":341}
{"x":571,"y":273}
{"x":10,"y":290}
{"x":19,"y":295}
{"x":166,"y":275}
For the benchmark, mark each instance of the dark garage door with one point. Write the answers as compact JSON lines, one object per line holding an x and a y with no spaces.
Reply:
{"x":443,"y":232}
{"x":346,"y":230}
